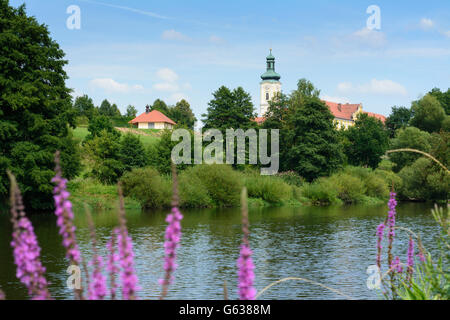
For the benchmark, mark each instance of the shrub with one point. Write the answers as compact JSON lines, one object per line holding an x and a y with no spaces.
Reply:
{"x":222,"y":182}
{"x":424,"y":180}
{"x":376,"y":186}
{"x":321,"y":192}
{"x":350,"y":189}
{"x":148,"y":187}
{"x":269,"y":188}
{"x":390,"y":178}
{"x":292,"y":178}
{"x":193,"y":193}
{"x":359,"y":172}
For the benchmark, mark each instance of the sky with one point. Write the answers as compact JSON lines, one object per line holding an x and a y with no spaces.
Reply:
{"x":133,"y":52}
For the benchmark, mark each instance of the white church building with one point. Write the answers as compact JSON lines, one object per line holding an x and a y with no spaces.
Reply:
{"x":270,"y":84}
{"x":344,"y":114}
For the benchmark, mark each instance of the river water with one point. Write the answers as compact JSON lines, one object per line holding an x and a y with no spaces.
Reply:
{"x":333,"y":246}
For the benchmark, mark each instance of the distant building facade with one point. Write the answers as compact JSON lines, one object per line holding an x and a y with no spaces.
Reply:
{"x":344,"y":114}
{"x":152,"y":120}
{"x":270,"y":84}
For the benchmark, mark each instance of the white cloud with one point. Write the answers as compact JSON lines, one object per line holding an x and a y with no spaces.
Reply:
{"x":111,"y":85}
{"x":174,"y":35}
{"x":335,"y":99}
{"x":167,"y":74}
{"x":426,"y":24}
{"x":369,"y":37}
{"x":384,"y":87}
{"x":166,"y":86}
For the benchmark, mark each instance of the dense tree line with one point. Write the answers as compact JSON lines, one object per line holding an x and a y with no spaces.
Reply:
{"x":35,"y":107}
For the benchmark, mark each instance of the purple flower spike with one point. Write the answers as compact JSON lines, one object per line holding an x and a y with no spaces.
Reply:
{"x":2,"y":295}
{"x":26,"y":250}
{"x":128,"y":274}
{"x":172,"y":238}
{"x":97,"y":285}
{"x":397,"y":265}
{"x":245,"y":264}
{"x":380,"y":232}
{"x":246,"y":275}
{"x":65,"y":215}
{"x":421,"y":256}
{"x":391,"y":224}
{"x":126,"y":255}
{"x":410,"y":256}
{"x":112,"y":266}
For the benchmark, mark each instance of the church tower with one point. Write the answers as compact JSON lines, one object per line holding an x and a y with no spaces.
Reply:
{"x":270,"y":84}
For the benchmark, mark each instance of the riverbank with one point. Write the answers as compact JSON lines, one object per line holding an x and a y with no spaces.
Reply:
{"x":219,"y":186}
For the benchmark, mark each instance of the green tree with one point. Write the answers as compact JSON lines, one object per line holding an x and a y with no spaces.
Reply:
{"x":368,"y":141}
{"x":35,"y":107}
{"x":229,"y":110}
{"x":108,"y":110}
{"x":161,"y":106}
{"x":311,"y":146}
{"x":443,"y":98}
{"x":115,"y":111}
{"x":428,"y":114}
{"x":98,"y":124}
{"x":131,"y":112}
{"x":84,"y":107}
{"x":424,"y":180}
{"x":399,"y":118}
{"x":159,"y":154}
{"x":104,"y":153}
{"x":182,"y":114}
{"x":409,"y":137}
{"x":132,"y":152}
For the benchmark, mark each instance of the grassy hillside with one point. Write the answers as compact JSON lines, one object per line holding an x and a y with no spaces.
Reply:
{"x":147,"y":137}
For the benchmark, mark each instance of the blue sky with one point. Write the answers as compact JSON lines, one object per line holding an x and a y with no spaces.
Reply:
{"x":133,"y":52}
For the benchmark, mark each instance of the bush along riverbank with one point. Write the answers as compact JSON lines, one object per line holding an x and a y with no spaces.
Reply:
{"x":208,"y":186}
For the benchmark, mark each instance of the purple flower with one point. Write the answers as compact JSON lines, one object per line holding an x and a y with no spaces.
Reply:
{"x":65,"y":216}
{"x":126,"y":254}
{"x":97,"y":285}
{"x":112,"y":266}
{"x":397,"y":265}
{"x":246,"y":275}
{"x":410,"y":255}
{"x":380,"y":232}
{"x":172,"y":236}
{"x":245,"y":265}
{"x":2,"y":295}
{"x":26,"y":250}
{"x":421,"y":256}
{"x":391,"y":215}
{"x":391,"y":224}
{"x":128,"y":274}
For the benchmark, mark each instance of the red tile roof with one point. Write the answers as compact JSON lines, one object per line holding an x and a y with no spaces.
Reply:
{"x":342,"y":111}
{"x":152,"y":116}
{"x":376,"y":115}
{"x":259,"y":120}
{"x":345,"y":111}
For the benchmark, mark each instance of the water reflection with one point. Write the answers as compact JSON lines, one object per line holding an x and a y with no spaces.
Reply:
{"x":333,"y":246}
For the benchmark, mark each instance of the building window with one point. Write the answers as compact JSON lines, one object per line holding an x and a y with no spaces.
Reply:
{"x":267,"y":96}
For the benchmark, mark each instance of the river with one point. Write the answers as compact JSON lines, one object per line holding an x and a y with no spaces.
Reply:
{"x":332,"y":245}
